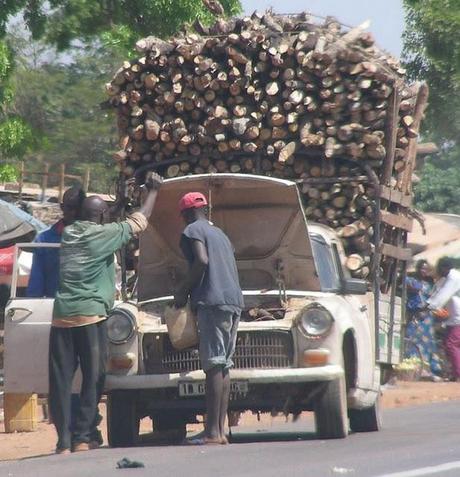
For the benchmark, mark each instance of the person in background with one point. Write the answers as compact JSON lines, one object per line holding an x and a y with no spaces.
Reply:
{"x":44,"y":274}
{"x":84,"y":298}
{"x":215,"y":294}
{"x":448,"y":296}
{"x":420,"y":327}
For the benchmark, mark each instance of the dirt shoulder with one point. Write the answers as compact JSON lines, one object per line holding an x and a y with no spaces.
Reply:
{"x":42,"y":442}
{"x":406,"y":393}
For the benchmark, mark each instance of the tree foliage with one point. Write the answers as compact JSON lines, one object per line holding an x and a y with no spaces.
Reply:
{"x":15,"y":135}
{"x":7,"y":173}
{"x":432,"y":53}
{"x":438,"y":189}
{"x":62,"y":104}
{"x":119,"y":22}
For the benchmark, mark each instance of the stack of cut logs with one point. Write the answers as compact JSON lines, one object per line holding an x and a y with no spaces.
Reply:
{"x":276,"y":95}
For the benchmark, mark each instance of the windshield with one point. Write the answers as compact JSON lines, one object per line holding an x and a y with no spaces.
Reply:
{"x":325,"y":264}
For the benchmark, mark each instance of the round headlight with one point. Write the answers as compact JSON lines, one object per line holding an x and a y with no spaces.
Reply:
{"x":315,"y":321}
{"x":120,"y":326}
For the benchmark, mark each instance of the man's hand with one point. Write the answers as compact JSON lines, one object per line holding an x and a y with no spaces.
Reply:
{"x":441,"y":314}
{"x":153,"y":181}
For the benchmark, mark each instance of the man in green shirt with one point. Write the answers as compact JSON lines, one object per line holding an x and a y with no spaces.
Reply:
{"x":83,"y":301}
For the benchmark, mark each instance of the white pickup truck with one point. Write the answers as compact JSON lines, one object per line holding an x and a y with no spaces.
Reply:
{"x":310,"y":337}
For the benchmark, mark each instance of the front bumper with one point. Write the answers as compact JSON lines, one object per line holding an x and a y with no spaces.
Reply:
{"x":252,"y":376}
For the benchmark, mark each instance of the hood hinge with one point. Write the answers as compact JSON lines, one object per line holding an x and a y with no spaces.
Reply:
{"x":280,"y":281}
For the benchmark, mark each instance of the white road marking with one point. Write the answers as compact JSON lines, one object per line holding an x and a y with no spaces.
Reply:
{"x":432,"y":470}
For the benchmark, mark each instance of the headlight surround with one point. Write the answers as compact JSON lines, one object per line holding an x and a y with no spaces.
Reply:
{"x":315,"y":321}
{"x":120,"y":326}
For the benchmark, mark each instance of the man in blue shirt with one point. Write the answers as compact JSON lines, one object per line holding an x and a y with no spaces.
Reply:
{"x":44,"y":275}
{"x":215,"y":294}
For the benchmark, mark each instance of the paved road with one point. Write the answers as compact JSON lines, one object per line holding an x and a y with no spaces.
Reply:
{"x":418,"y":441}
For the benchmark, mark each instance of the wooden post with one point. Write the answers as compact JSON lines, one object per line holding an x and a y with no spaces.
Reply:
{"x":86,"y":179}
{"x":427,"y":148}
{"x":420,"y":106}
{"x":349,"y":37}
{"x":46,"y":167}
{"x":61,"y":181}
{"x":391,"y":129}
{"x":21,"y":178}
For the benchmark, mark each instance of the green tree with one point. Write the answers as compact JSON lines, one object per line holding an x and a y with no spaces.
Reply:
{"x":62,"y":104}
{"x":118,"y":22}
{"x":432,"y":54}
{"x":438,"y":189}
{"x":15,"y":135}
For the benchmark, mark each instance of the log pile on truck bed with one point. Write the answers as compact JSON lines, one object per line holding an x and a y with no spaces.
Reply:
{"x":287,"y":97}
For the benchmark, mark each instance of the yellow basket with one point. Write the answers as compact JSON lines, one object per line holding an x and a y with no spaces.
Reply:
{"x":20,"y":412}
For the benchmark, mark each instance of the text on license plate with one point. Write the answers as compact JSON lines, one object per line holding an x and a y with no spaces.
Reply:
{"x":189,"y":388}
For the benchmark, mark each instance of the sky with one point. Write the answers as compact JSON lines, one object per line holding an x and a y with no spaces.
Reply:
{"x":387,"y":16}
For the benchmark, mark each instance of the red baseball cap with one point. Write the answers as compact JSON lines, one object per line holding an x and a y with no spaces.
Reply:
{"x":192,"y":200}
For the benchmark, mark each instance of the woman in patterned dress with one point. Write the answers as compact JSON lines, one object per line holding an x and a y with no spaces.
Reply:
{"x":420,"y":321}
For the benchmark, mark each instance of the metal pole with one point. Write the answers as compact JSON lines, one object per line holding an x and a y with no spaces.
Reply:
{"x":403,"y":306}
{"x":21,"y":178}
{"x":86,"y":179}
{"x":46,"y":167}
{"x":61,"y":181}
{"x":122,"y":190}
{"x":375,"y":269}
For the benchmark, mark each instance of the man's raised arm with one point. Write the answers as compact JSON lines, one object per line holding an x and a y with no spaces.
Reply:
{"x":139,"y":220}
{"x":152,"y":184}
{"x":447,"y":290}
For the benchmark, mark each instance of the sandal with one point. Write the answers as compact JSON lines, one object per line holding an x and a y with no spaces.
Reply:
{"x":64,"y":451}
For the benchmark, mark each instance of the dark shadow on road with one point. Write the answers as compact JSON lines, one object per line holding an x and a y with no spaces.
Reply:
{"x":263,"y":436}
{"x":38,"y":456}
{"x":239,"y":437}
{"x":31,"y":457}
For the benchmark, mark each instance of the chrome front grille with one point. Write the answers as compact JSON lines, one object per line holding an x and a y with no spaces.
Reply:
{"x":260,"y":350}
{"x":254,"y":350}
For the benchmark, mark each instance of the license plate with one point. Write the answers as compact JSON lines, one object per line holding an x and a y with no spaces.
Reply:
{"x":193,"y":388}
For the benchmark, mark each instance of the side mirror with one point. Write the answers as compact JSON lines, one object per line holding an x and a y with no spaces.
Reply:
{"x":354,"y":286}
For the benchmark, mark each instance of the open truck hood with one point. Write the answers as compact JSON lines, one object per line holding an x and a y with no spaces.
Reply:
{"x":262,"y":216}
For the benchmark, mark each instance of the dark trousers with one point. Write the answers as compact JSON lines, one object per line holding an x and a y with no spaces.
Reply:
{"x":69,"y":347}
{"x":452,"y":345}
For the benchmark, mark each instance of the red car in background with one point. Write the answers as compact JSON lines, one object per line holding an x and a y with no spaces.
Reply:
{"x":16,"y":226}
{"x":6,"y":261}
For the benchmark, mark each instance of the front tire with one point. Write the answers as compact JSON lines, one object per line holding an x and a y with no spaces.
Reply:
{"x":331,"y":411}
{"x":122,"y":419}
{"x":366,"y":420}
